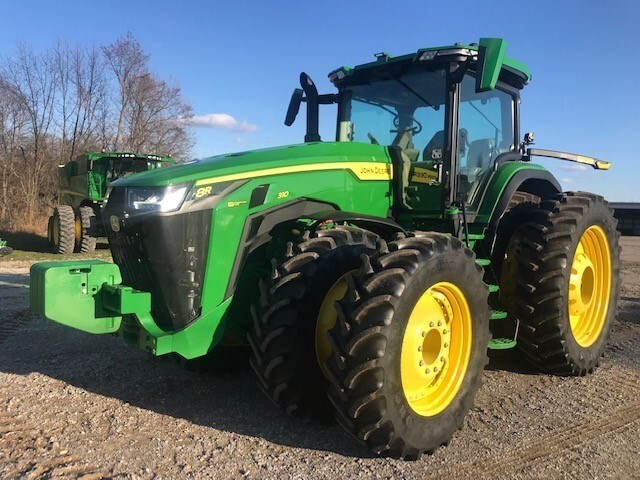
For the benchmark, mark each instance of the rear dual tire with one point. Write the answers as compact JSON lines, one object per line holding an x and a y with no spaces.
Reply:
{"x":61,"y":230}
{"x":68,"y":230}
{"x":85,"y":219}
{"x":562,"y":268}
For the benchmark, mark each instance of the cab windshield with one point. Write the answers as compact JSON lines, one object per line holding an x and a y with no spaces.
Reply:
{"x":121,"y":167}
{"x":407,"y":112}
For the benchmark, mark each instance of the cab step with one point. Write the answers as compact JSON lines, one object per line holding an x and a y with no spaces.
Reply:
{"x":498,"y":315}
{"x":502,"y":344}
{"x":483,"y":262}
{"x":476,"y":236}
{"x":493,"y":288}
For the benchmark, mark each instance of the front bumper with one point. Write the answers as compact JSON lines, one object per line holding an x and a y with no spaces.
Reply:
{"x":89,"y":296}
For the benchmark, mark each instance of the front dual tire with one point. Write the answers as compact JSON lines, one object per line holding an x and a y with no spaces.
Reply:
{"x":410,"y":346}
{"x":397,"y":333}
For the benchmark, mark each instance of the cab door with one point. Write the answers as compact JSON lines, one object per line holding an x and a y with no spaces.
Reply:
{"x":487,"y":128}
{"x":423,"y":161}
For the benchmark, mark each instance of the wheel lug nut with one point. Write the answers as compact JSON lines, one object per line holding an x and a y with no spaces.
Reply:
{"x":445,"y":331}
{"x":427,"y":371}
{"x":435,"y":369}
{"x":419,"y":349}
{"x":439,"y":324}
{"x":421,"y":363}
{"x":431,"y":324}
{"x":446,"y":344}
{"x":424,"y":334}
{"x":442,"y":359}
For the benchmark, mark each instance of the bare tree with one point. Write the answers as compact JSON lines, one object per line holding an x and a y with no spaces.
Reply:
{"x":12,"y":126}
{"x":68,"y":100}
{"x":128,"y":63}
{"x":152,"y":117}
{"x":82,"y":93}
{"x":30,"y":81}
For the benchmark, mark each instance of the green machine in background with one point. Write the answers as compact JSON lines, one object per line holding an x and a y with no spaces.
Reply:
{"x":369,"y":275}
{"x":76,"y":224}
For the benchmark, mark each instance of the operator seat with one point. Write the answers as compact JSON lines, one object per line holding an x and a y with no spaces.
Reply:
{"x":434,"y":150}
{"x":480,"y":154}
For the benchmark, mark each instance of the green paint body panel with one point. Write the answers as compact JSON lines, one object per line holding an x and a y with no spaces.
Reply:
{"x":262,"y":159}
{"x":494,"y":49}
{"x":338,"y":188}
{"x":496,"y":186}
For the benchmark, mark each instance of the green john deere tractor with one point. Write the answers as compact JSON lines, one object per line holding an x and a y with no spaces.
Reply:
{"x":76,"y":223}
{"x":379,"y":267}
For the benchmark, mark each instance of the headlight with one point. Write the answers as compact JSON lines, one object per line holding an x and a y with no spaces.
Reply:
{"x":156,"y":199}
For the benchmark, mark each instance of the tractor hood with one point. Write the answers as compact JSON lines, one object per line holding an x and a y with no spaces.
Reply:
{"x":238,"y":164}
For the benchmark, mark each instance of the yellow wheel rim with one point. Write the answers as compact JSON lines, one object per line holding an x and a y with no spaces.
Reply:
{"x":78,"y":228}
{"x":590,"y":286}
{"x":55,"y":230}
{"x":327,"y":317}
{"x":436,"y":348}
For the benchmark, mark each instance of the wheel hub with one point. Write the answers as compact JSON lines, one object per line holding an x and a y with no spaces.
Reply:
{"x":581,"y":284}
{"x":435,"y":349}
{"x":590,"y":286}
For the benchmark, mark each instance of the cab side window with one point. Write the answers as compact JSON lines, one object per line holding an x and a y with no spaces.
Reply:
{"x":486,"y":129}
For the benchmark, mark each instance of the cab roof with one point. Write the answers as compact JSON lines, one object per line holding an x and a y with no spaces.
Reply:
{"x":98,"y":155}
{"x":512,"y":72}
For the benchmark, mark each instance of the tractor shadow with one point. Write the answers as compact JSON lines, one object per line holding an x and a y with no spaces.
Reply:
{"x":226,"y":399}
{"x":28,"y":241}
{"x":33,"y":242}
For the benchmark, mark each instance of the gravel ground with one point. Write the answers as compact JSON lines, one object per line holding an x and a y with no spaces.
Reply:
{"x":74,"y":405}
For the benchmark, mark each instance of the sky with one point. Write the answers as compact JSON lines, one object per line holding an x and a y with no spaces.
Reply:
{"x":238,"y":62}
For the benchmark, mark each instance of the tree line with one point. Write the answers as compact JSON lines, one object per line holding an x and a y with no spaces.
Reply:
{"x":71,"y":99}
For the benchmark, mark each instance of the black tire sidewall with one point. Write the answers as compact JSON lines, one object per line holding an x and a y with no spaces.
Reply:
{"x":325,"y":272}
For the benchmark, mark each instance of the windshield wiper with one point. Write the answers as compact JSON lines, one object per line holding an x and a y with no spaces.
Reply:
{"x":376,"y":104}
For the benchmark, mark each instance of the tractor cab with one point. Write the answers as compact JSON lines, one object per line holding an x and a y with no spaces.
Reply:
{"x":447,"y":114}
{"x":119,"y":165}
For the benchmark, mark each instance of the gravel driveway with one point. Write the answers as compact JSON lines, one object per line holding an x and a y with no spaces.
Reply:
{"x":74,"y":405}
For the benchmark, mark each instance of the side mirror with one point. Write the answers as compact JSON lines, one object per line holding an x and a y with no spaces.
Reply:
{"x":294,"y":107}
{"x":490,"y":57}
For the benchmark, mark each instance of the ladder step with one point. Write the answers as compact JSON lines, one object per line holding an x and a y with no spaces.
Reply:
{"x":483,"y":261}
{"x":493,"y":288}
{"x":476,"y":236}
{"x":498,"y":315}
{"x":502,"y":344}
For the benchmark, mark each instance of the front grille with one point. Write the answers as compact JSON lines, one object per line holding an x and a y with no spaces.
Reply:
{"x":164,"y":255}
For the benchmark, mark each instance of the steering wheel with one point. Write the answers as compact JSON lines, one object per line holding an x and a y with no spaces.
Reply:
{"x":415,"y":130}
{"x":373,"y":139}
